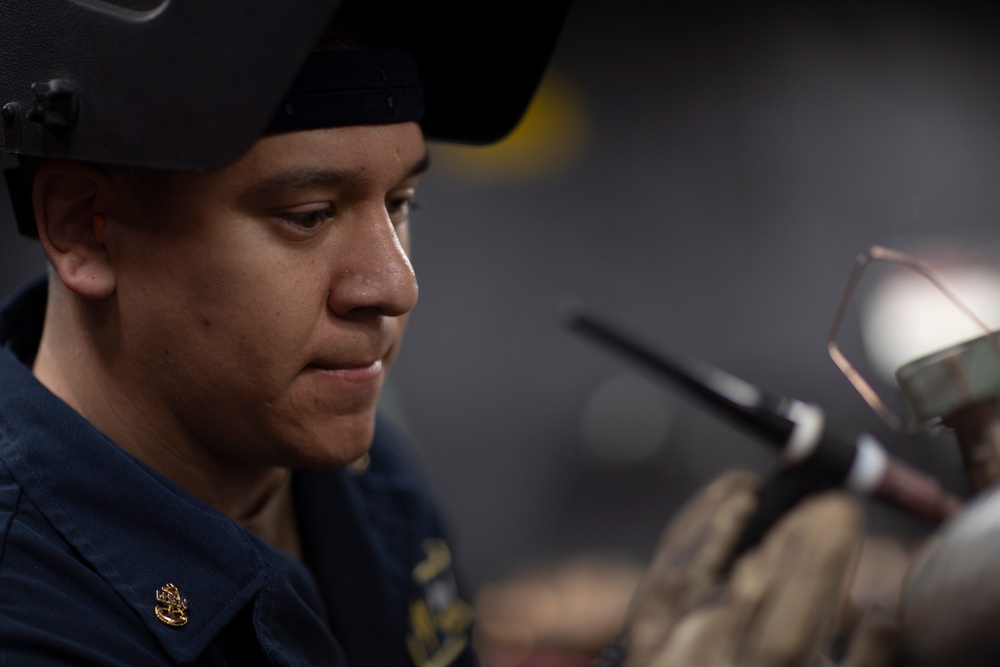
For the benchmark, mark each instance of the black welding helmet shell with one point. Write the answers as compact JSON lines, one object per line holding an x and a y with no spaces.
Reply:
{"x":190,"y":84}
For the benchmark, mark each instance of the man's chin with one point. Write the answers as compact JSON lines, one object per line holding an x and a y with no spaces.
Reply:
{"x":335,"y":447}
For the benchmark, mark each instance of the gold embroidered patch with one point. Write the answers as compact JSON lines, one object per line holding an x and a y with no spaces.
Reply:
{"x":172,"y":609}
{"x":439,"y":620}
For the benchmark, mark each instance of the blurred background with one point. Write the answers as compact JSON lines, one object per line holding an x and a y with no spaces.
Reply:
{"x":705,"y":176}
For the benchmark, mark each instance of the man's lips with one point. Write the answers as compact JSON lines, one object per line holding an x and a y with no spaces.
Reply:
{"x":351,"y":371}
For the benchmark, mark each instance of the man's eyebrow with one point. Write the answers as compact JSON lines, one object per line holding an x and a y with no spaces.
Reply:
{"x":420,"y":166}
{"x":306,"y":177}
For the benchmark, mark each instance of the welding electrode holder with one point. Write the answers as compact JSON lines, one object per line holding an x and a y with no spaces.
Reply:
{"x":817,"y":453}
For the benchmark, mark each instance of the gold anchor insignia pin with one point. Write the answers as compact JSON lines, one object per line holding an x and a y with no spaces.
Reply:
{"x":172,"y":609}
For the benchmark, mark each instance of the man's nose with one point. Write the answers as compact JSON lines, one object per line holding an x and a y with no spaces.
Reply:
{"x":374,"y":275}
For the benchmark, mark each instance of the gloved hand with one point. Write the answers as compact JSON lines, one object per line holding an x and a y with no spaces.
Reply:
{"x":779,"y":604}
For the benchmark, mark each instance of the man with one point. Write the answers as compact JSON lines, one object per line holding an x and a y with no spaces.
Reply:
{"x":193,"y":468}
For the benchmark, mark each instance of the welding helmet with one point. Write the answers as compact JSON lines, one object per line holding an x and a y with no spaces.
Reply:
{"x":191,"y":84}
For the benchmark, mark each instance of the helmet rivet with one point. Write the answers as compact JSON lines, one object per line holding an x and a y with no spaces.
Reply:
{"x":56,"y":105}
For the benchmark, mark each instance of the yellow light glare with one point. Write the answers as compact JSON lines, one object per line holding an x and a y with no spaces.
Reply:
{"x":550,"y":139}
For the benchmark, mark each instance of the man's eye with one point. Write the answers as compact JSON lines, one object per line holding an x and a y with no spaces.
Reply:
{"x":308,"y":219}
{"x":399,"y":208}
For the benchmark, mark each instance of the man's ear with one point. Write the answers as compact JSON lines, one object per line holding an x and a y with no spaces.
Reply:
{"x":67,"y":197}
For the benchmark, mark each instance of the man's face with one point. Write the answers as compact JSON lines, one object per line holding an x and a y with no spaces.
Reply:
{"x":261,"y":305}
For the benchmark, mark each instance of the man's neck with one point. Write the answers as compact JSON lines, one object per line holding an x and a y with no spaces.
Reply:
{"x":274,"y":519}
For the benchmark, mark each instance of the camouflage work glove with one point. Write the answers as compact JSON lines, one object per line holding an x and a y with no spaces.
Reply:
{"x":780,"y":603}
